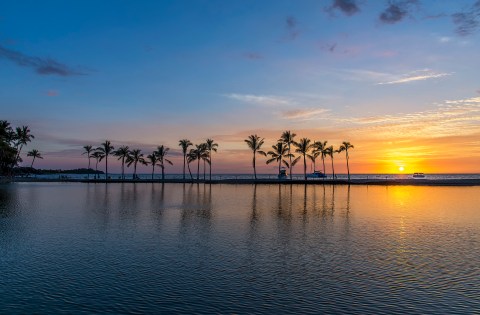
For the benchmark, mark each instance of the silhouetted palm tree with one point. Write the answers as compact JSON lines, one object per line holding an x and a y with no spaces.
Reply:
{"x":303,"y":147}
{"x":255,"y":143}
{"x":161,"y":153}
{"x":98,"y":156}
{"x":199,"y":153}
{"x":152,"y":159}
{"x":88,"y":152}
{"x":319,"y":150}
{"x":344,"y":147}
{"x":211,"y":146}
{"x":23,"y":136}
{"x":35,"y":154}
{"x":279,"y":153}
{"x":122,"y":153}
{"x":330,"y":151}
{"x":106,"y":148}
{"x":185,"y":143}
{"x":287,"y":137}
{"x":134,"y":158}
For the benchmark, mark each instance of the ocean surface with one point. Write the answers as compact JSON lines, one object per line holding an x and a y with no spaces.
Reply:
{"x":156,"y":248}
{"x":262,"y":176}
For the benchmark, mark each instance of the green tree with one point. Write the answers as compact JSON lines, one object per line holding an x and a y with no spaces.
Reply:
{"x":255,"y":143}
{"x":344,"y":147}
{"x":107,"y":149}
{"x":35,"y":154}
{"x":88,"y":151}
{"x":278,"y":154}
{"x":288,"y":138}
{"x":161,"y":152}
{"x":303,"y":147}
{"x":211,"y":147}
{"x":135,"y":157}
{"x":122,"y":153}
{"x":185,"y":144}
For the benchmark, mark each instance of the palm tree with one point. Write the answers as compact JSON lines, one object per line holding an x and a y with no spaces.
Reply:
{"x":287,"y":137}
{"x":122,"y":154}
{"x":106,"y":148}
{"x":324,"y":153}
{"x":255,"y":143}
{"x":211,"y":146}
{"x":35,"y":154}
{"x":134,"y":158}
{"x":161,"y":153}
{"x":98,"y":156}
{"x":330,"y":151}
{"x":279,"y":153}
{"x":88,"y":152}
{"x":185,"y":143}
{"x":318,"y":150}
{"x":152,"y":159}
{"x":344,"y":147}
{"x":303,"y":146}
{"x":23,"y":136}
{"x":199,"y":153}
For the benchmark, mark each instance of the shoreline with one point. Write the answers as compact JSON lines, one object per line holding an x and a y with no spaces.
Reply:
{"x":380,"y":182}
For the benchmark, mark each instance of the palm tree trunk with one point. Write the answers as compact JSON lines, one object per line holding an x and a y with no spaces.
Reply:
{"x":305,"y":167}
{"x":134,"y":170}
{"x":153,"y":169}
{"x":333,"y":170}
{"x":198,"y":168}
{"x":279,"y":165}
{"x":348,"y":168}
{"x":210,"y":165}
{"x":190,"y":171}
{"x":123,"y":167}
{"x":163,"y":172}
{"x":106,"y":167}
{"x":254,"y":169}
{"x":291,"y":166}
{"x":88,"y":173}
{"x":96,"y":170}
{"x":204,"y":166}
{"x":184,"y":160}
{"x":31,"y":166}
{"x":323,"y":162}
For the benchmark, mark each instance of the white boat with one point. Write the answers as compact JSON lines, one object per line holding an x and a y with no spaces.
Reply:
{"x":316,"y":174}
{"x":418,"y":175}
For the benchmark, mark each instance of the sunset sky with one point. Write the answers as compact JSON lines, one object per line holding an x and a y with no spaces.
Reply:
{"x":399,"y":79}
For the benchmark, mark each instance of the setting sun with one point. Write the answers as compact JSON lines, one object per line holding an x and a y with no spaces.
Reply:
{"x":401,"y":168}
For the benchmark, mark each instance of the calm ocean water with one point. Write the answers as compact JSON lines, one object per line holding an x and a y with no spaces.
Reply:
{"x":245,"y":249}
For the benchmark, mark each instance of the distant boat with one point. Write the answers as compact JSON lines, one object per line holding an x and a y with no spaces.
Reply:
{"x":282,"y":174}
{"x":316,"y":174}
{"x":418,"y":175}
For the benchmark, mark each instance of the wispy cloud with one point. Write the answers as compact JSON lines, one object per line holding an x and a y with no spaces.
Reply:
{"x":42,"y":66}
{"x":348,"y":7}
{"x":467,"y":21}
{"x":264,"y":100}
{"x":419,"y":75}
{"x":252,"y":56}
{"x":52,"y":93}
{"x":291,"y":24}
{"x":396,"y":11}
{"x":304,"y":114}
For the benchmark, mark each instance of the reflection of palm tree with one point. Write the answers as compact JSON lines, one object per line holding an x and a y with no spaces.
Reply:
{"x":98,"y":156}
{"x":185,"y":143}
{"x":303,"y":146}
{"x":88,"y":152}
{"x":255,"y":143}
{"x":161,"y":153}
{"x":122,"y":154}
{"x":344,"y":147}
{"x":35,"y":154}
{"x":134,"y":158}
{"x":287,"y":137}
{"x":152,"y":159}
{"x":211,"y":146}
{"x":106,"y":148}
{"x":280,"y":151}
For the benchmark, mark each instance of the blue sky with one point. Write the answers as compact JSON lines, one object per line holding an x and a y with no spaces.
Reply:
{"x":145,"y":73}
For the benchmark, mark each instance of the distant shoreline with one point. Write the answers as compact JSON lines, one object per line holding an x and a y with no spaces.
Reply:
{"x":379,"y":182}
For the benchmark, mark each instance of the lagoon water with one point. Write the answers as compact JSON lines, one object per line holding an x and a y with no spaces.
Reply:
{"x":188,"y":248}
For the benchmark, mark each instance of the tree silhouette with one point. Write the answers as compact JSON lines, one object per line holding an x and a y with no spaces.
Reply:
{"x":23,"y":136}
{"x":185,"y":143}
{"x":88,"y":151}
{"x":344,"y":147}
{"x":161,"y":153}
{"x":152,"y":159}
{"x":35,"y":154}
{"x":288,"y":138}
{"x":135,"y":157}
{"x":211,"y":147}
{"x":330,"y":151}
{"x":255,"y":143}
{"x":98,"y":156}
{"x":303,"y":147}
{"x":122,"y":153}
{"x":199,"y":153}
{"x":106,"y":148}
{"x":278,"y":154}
